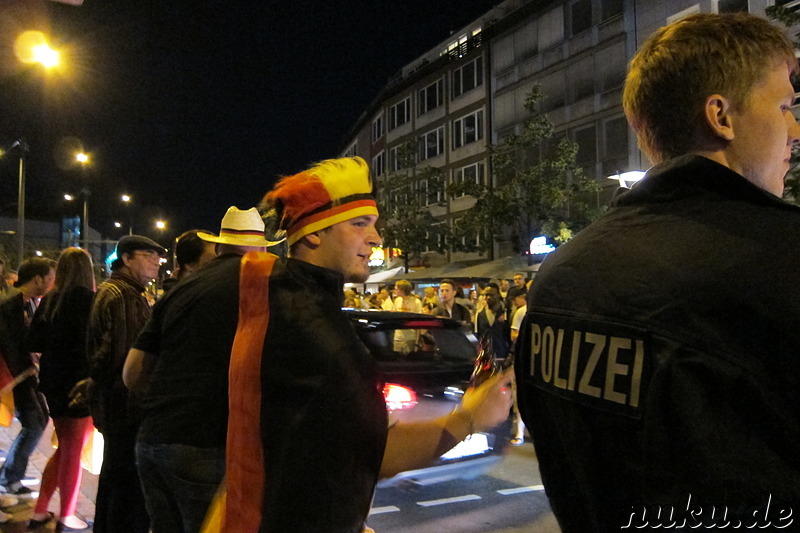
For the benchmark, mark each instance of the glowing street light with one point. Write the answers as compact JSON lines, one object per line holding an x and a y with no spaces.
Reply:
{"x":117,"y":224}
{"x":31,"y":47}
{"x":161,"y":225}
{"x":127,"y":199}
{"x":82,"y":158}
{"x":627,"y":177}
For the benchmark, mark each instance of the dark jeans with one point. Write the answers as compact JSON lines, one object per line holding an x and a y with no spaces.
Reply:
{"x":119,"y":507}
{"x":31,"y":410}
{"x":179,"y":483}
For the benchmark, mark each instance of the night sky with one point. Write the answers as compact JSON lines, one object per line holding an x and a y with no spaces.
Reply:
{"x":193,"y":106}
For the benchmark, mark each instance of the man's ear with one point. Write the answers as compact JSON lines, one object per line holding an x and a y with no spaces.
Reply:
{"x":313,"y":239}
{"x":718,"y":115}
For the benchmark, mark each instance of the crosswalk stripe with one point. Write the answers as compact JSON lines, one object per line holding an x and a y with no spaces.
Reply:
{"x":444,"y":501}
{"x":519,"y":490}
{"x":382,"y":510}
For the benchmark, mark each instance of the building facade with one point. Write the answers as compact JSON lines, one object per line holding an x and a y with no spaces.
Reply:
{"x":445,"y":109}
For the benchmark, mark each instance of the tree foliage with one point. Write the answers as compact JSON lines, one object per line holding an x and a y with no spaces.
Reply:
{"x":404,"y":199}
{"x":789,"y":18}
{"x":538,"y":189}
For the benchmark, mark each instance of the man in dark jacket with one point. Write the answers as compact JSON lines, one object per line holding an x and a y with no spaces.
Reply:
{"x":658,"y":367}
{"x":447,"y":303}
{"x":119,"y":312}
{"x":36,"y":278}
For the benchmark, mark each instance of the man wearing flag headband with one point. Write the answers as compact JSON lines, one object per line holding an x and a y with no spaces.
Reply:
{"x":307,"y":428}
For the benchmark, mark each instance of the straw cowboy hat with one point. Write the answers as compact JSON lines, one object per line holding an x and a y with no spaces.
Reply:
{"x":240,"y":228}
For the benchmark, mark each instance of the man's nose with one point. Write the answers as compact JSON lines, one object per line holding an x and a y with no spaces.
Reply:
{"x":375,"y":239}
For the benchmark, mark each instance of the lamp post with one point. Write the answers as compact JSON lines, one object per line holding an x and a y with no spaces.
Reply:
{"x":22,"y":146}
{"x":23,"y":151}
{"x":30,"y":47}
{"x":127,"y":199}
{"x":82,"y":159}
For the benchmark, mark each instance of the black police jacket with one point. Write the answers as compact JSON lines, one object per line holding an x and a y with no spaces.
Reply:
{"x":658,"y":367}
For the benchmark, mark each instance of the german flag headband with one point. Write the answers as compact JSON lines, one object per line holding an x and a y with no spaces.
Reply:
{"x":332,"y":191}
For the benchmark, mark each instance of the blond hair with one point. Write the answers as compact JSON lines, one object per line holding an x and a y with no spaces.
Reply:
{"x":683,"y":63}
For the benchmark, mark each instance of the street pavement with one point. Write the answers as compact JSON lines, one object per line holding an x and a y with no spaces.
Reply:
{"x":21,"y":512}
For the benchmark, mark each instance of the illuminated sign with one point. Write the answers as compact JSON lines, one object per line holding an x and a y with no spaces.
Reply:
{"x":539,"y":246}
{"x":376,"y":259}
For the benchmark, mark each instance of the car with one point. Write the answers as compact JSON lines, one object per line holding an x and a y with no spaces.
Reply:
{"x":426,"y":363}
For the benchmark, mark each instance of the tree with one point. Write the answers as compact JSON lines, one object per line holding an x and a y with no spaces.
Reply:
{"x":538,"y":189}
{"x":404,"y":200}
{"x":789,"y":18}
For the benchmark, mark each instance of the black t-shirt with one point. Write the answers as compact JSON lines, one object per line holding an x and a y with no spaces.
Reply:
{"x":191,"y":334}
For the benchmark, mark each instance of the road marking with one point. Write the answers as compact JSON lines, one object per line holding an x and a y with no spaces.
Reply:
{"x":445,"y":501}
{"x":519,"y":490}
{"x":382,"y":510}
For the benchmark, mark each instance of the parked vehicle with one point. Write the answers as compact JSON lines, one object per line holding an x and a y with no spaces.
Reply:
{"x":427,"y":362}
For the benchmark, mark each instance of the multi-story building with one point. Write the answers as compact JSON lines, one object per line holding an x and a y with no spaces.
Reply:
{"x":448,"y":106}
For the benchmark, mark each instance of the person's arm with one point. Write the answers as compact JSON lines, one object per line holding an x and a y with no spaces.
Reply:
{"x":138,"y":366}
{"x":417,"y":444}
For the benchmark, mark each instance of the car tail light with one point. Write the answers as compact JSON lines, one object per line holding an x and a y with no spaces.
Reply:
{"x":398,"y":397}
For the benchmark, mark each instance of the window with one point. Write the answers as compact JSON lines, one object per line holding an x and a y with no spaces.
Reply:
{"x":437,"y":232}
{"x":377,"y":128}
{"x":610,"y":8}
{"x":551,"y":28}
{"x":474,"y":173}
{"x":554,"y":89}
{"x":468,"y":129}
{"x":581,"y":79}
{"x":467,"y":238}
{"x":400,"y":113}
{"x":468,"y":77}
{"x":352,"y":151}
{"x":430,"y":97}
{"x":611,"y":72}
{"x":586,"y":139}
{"x":431,"y":144}
{"x":378,"y":165}
{"x":732,"y":6}
{"x":394,"y":161}
{"x":581,"y":16}
{"x":428,"y":195}
{"x":616,"y":146}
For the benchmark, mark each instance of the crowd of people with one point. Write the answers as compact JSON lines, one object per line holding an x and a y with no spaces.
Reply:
{"x":655,"y":355}
{"x":226,"y":379}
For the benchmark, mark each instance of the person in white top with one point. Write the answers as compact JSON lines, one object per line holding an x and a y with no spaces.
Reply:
{"x":405,"y":339}
{"x":521,"y":305}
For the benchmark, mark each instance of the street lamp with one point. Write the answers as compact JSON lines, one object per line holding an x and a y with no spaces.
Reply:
{"x":82,"y":159}
{"x":85,"y":231}
{"x":127,"y":199}
{"x":625,"y":178}
{"x":31,"y":47}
